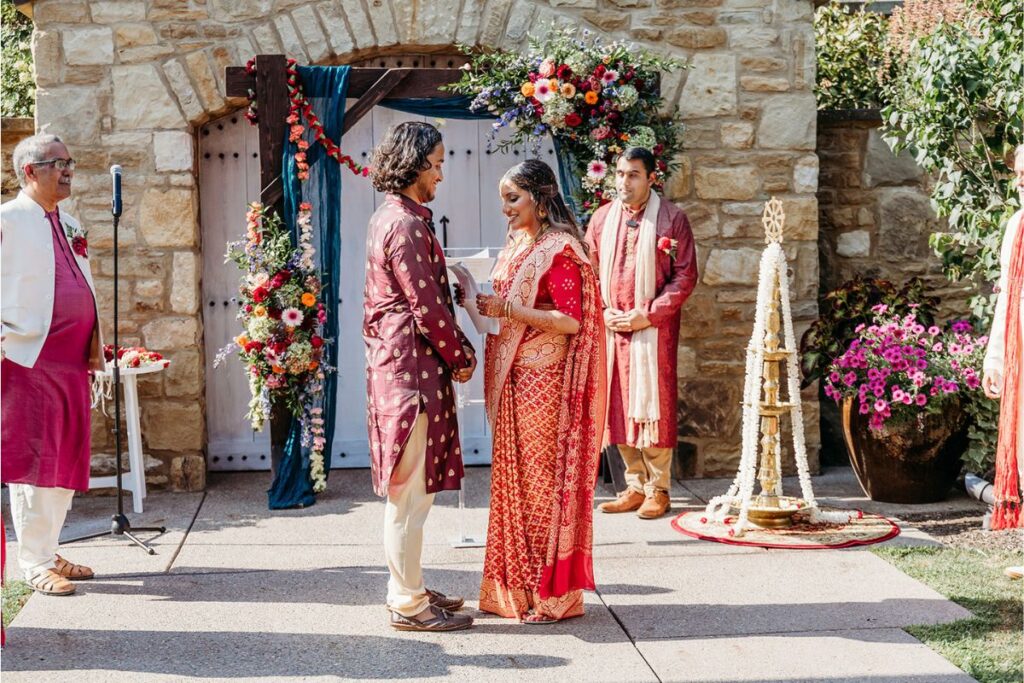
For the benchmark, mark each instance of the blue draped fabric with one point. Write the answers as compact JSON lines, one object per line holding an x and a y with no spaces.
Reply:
{"x":326,"y":89}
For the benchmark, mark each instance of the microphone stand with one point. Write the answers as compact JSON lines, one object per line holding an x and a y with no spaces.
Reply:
{"x":119,"y":526}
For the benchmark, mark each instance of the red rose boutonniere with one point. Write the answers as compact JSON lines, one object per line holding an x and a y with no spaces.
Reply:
{"x":79,"y":243}
{"x":669,"y":246}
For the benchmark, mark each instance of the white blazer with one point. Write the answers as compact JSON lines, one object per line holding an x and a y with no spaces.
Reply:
{"x":994,"y":354}
{"x":26,"y":281}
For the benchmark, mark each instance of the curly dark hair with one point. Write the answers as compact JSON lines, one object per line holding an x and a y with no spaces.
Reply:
{"x":402,"y":155}
{"x":537,"y":178}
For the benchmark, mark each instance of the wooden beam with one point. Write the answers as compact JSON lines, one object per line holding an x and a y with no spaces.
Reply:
{"x":419,"y":83}
{"x":272,"y":109}
{"x":376,"y":92}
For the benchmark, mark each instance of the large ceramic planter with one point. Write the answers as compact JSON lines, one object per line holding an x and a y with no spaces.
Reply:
{"x":916,"y":462}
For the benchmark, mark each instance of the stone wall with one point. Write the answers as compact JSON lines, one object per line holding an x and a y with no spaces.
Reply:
{"x":875,"y":213}
{"x":128,"y":81}
{"x":12,"y":131}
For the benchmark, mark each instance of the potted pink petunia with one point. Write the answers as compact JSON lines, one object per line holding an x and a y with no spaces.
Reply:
{"x":902,"y":387}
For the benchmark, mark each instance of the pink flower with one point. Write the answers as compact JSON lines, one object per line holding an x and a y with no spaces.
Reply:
{"x":291,"y":317}
{"x":934,"y":330}
{"x":597,"y":169}
{"x":921,"y":399}
{"x":547,"y":68}
{"x":610,"y":77}
{"x":881,"y":405}
{"x":543,"y":92}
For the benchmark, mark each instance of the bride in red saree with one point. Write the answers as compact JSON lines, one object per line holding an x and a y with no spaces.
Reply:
{"x":545,"y":394}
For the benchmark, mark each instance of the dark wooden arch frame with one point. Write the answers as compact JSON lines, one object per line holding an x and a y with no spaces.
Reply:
{"x":370,"y":85}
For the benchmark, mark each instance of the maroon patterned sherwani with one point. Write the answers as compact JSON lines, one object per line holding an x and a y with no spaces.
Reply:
{"x":412,"y":344}
{"x":675,"y":279}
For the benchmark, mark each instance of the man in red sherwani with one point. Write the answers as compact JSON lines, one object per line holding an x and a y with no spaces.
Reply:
{"x":643,"y":251}
{"x":414,"y":349}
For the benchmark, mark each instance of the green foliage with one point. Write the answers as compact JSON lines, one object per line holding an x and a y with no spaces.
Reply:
{"x":957,"y":104}
{"x":851,"y":51}
{"x":15,"y":594}
{"x":846,"y":307}
{"x":17,"y":89}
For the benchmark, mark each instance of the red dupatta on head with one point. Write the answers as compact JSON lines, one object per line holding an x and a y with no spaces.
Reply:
{"x":568,"y":563}
{"x":1007,"y":513}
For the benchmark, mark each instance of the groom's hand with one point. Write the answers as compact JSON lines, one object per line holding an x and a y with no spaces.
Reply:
{"x":463,"y":375}
{"x":631,"y":321}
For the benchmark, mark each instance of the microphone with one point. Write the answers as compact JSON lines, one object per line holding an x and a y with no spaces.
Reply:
{"x":115,"y":202}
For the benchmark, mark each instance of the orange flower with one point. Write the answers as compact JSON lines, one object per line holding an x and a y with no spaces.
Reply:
{"x":553,"y":83}
{"x":313,"y":366}
{"x":568,"y":91}
{"x":308,"y":299}
{"x":527,"y":90}
{"x":590,"y":97}
{"x":241,"y":340}
{"x":278,"y":370}
{"x":259,"y":311}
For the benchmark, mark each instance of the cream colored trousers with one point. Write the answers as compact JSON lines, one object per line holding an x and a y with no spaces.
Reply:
{"x":38,"y":515}
{"x":647,"y":470}
{"x":404,"y":516}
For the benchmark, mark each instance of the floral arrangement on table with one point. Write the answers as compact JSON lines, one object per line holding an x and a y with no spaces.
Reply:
{"x":595,"y":99}
{"x":897,"y":368}
{"x":282,"y":316}
{"x":133,"y":356}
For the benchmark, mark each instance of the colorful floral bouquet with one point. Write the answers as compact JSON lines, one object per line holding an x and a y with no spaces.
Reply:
{"x":133,"y":356}
{"x":896,"y":367}
{"x":596,"y":100}
{"x":282,"y":315}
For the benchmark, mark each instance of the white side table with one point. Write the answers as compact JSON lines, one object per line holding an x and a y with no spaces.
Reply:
{"x":134,"y":479}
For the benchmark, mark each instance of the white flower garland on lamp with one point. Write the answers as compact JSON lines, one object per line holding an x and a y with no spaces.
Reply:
{"x":773,"y":265}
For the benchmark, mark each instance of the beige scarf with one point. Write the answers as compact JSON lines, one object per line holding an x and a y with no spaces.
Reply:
{"x":642,"y":411}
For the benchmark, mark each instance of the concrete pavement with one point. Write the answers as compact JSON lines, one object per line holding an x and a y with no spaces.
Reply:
{"x":237,"y":592}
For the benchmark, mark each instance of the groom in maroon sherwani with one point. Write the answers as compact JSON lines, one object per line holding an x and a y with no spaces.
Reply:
{"x":414,"y":349}
{"x":643,"y":251}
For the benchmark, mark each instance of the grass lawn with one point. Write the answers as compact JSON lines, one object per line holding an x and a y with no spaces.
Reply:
{"x":990,"y":646}
{"x":15,"y":594}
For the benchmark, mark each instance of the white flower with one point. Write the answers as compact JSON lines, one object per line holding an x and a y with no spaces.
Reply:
{"x":642,"y":136}
{"x":628,"y":96}
{"x":543,"y":91}
{"x":610,"y":77}
{"x":597,"y":169}
{"x":292,"y":317}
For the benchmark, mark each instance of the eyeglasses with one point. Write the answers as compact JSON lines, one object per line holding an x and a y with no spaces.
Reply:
{"x":59,"y":164}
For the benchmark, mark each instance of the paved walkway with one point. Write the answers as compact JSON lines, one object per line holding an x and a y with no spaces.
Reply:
{"x":236,"y":592}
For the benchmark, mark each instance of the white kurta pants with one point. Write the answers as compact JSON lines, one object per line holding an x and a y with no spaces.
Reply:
{"x":38,"y":515}
{"x":405,"y":513}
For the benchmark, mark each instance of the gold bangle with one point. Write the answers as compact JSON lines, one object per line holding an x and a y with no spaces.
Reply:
{"x":508,"y":309}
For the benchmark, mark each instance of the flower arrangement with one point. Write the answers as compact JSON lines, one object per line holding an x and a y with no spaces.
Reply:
{"x":133,"y":356}
{"x":78,"y":238}
{"x":282,"y":315}
{"x":896,"y":367}
{"x":595,"y":99}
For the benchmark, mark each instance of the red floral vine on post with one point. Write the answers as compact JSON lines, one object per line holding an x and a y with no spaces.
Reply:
{"x":300,"y":109}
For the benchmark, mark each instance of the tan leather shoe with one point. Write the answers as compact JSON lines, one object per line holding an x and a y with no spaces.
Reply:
{"x":49,"y":582}
{"x":627,"y":501}
{"x":655,"y":505}
{"x":70,"y":570}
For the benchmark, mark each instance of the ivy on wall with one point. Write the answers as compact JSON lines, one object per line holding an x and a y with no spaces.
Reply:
{"x":17,"y":88}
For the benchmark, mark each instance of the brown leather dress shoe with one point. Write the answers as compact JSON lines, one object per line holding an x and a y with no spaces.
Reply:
{"x":628,"y":501}
{"x":442,"y":620}
{"x":452,"y":604}
{"x":655,"y":505}
{"x":70,"y":570}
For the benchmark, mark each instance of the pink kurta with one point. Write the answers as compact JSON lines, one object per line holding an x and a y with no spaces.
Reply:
{"x":46,"y":424}
{"x":412,"y":344}
{"x":675,"y":280}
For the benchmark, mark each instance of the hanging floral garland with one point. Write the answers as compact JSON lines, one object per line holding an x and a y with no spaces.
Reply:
{"x":299,"y":109}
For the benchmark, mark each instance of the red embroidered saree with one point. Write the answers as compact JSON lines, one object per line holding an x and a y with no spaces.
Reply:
{"x":545,"y":396}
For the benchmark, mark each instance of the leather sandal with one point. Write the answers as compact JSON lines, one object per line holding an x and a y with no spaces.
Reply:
{"x":534,"y":619}
{"x":70,"y":570}
{"x":49,"y":582}
{"x":441,"y":620}
{"x":452,"y":604}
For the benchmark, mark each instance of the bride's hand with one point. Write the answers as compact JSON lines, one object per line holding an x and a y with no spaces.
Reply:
{"x":490,"y":306}
{"x":460,"y":295}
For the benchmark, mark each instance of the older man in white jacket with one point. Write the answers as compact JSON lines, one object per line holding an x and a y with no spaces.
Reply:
{"x":49,"y":341}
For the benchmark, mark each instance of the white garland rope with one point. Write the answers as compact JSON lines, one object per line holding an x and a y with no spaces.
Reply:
{"x":773,"y":265}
